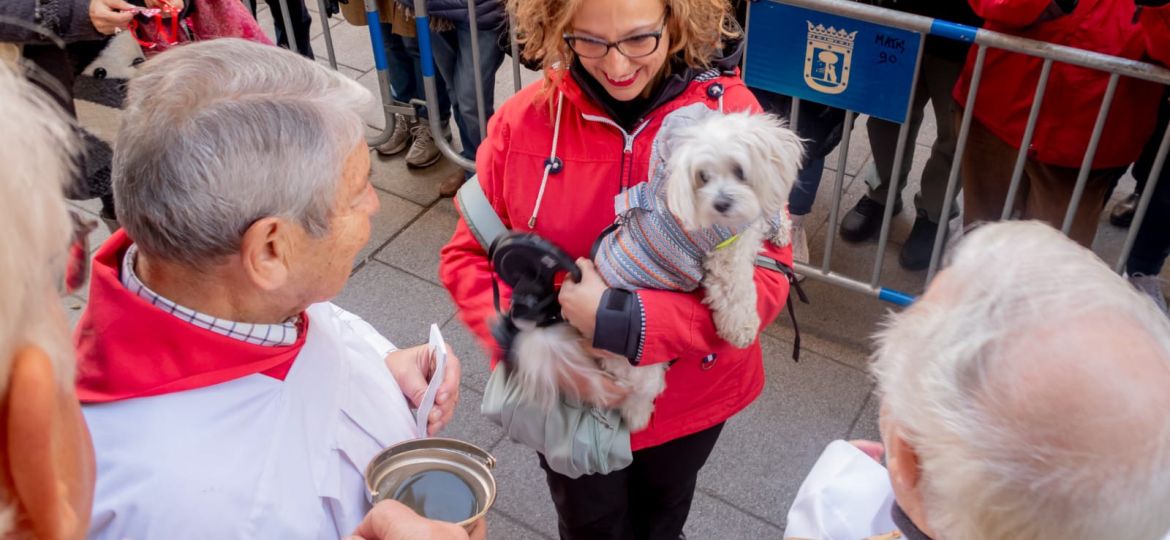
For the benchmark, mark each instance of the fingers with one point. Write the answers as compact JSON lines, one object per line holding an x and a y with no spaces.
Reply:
{"x":404,"y":366}
{"x":447,"y":398}
{"x":108,"y":16}
{"x":392,"y":520}
{"x":872,"y":449}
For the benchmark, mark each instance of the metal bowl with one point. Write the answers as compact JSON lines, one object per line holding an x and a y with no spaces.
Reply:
{"x":395,"y":465}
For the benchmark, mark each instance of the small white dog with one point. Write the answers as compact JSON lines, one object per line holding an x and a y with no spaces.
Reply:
{"x":718,"y":188}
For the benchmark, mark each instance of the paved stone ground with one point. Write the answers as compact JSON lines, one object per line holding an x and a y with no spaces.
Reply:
{"x":764,"y":452}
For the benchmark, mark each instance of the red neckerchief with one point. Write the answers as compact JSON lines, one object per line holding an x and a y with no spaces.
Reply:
{"x":128,"y":348}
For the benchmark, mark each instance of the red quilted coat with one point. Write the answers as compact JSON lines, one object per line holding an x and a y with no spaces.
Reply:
{"x":1074,"y":94}
{"x":600,"y":160}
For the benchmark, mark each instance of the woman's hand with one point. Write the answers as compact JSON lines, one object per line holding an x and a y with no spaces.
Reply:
{"x":579,"y":301}
{"x":109,"y":16}
{"x":176,"y":5}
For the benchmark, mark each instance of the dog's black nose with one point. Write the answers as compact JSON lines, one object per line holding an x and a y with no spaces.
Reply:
{"x":722,"y":205}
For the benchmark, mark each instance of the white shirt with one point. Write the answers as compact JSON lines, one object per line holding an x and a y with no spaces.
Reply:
{"x":255,"y":457}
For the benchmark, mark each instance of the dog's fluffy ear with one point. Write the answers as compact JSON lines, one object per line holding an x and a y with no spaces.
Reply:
{"x":680,"y":185}
{"x":777,"y":152}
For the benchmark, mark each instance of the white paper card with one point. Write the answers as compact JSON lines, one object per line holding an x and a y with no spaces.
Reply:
{"x":438,"y":351}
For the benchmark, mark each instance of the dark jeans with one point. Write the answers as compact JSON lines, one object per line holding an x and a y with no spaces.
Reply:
{"x":454,"y":62}
{"x":822,"y":127}
{"x":301,"y":21}
{"x":649,"y":500}
{"x":406,"y":80}
{"x":1152,"y":245}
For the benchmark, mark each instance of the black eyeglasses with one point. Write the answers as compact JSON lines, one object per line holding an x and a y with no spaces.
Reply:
{"x":635,"y":46}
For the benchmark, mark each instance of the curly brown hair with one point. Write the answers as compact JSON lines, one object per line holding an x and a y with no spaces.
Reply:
{"x":696,"y":28}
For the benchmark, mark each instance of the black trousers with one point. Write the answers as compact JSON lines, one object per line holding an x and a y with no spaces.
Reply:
{"x":649,"y":500}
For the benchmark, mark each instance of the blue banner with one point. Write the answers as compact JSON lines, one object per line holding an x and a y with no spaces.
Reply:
{"x":829,"y":59}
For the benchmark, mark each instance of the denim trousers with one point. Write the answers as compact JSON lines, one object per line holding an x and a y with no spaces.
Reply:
{"x":406,"y":81}
{"x":455,"y":63}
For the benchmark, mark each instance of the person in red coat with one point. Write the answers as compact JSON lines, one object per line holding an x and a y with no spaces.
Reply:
{"x":614,"y":69}
{"x":1068,"y":112}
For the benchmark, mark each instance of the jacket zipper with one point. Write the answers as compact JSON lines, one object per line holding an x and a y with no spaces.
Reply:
{"x":627,"y":145}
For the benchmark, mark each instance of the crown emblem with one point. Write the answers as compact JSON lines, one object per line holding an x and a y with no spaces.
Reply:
{"x":842,"y":37}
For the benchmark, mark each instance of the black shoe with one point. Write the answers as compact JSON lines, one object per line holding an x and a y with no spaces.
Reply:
{"x":1123,"y":211}
{"x":915,"y":254}
{"x":865,"y":219}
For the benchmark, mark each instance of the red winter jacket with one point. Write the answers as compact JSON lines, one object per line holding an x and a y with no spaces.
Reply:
{"x":1074,"y":94}
{"x":578,"y":204}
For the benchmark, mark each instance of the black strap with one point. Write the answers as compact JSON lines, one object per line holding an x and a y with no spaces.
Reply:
{"x":793,"y":284}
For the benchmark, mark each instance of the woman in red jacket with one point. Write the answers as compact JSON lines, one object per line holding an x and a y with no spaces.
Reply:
{"x":613,"y":70}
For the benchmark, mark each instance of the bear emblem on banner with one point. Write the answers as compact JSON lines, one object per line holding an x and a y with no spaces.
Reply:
{"x":827,"y":58}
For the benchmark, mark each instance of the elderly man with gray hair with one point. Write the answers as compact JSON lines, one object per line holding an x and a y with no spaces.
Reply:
{"x":1025,"y":395}
{"x":226,"y":396}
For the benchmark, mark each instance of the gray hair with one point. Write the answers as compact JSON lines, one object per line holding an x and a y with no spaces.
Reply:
{"x":974,"y":379}
{"x":38,"y":150}
{"x":221,"y":133}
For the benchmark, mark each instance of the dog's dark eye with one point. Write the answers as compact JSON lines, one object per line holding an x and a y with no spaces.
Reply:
{"x":703,"y":178}
{"x":738,"y":172}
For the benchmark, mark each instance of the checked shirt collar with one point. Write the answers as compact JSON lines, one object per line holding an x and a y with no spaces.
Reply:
{"x":269,"y":335}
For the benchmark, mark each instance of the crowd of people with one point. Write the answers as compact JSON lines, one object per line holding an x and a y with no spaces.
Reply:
{"x":211,"y":389}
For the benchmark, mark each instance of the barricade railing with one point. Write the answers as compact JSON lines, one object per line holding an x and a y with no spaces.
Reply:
{"x":381,"y":63}
{"x":982,"y":40}
{"x":895,"y":21}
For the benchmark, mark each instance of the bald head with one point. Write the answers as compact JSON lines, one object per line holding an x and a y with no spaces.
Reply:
{"x":1033,"y":385}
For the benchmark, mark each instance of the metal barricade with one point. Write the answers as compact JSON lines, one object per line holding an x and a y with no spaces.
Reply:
{"x":377,"y":41}
{"x":982,"y":40}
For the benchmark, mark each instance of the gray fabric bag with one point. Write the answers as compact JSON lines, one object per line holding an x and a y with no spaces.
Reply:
{"x":575,"y":438}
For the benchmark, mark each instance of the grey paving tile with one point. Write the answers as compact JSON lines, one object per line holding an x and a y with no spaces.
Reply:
{"x":522,"y":492}
{"x":815,"y":221}
{"x":73,"y":306}
{"x":394,"y":214}
{"x":766,"y":450}
{"x":812,"y":339}
{"x":503,"y":527}
{"x":420,"y":186}
{"x":858,"y":150}
{"x":476,"y":364}
{"x":416,"y":250}
{"x":373,"y":115}
{"x":866,"y":426}
{"x":713,"y":518}
{"x":400,"y":306}
{"x":468,"y":425}
{"x":90,"y":206}
{"x":350,"y":43}
{"x":264,"y":17}
{"x":836,"y":316}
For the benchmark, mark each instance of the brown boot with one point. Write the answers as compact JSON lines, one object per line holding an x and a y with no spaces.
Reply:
{"x":450,"y":186}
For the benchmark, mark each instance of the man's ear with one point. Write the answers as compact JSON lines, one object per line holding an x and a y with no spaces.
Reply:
{"x":32,"y":413}
{"x":266,"y":249}
{"x":905,"y":475}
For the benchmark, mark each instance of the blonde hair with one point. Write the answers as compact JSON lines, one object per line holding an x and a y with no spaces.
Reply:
{"x":696,"y":28}
{"x":38,"y":149}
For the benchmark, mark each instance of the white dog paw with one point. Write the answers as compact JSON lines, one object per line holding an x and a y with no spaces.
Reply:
{"x":637,"y":413}
{"x":738,"y":328}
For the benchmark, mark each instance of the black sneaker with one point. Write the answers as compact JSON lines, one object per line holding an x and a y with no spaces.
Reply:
{"x":865,"y":219}
{"x":915,"y":254}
